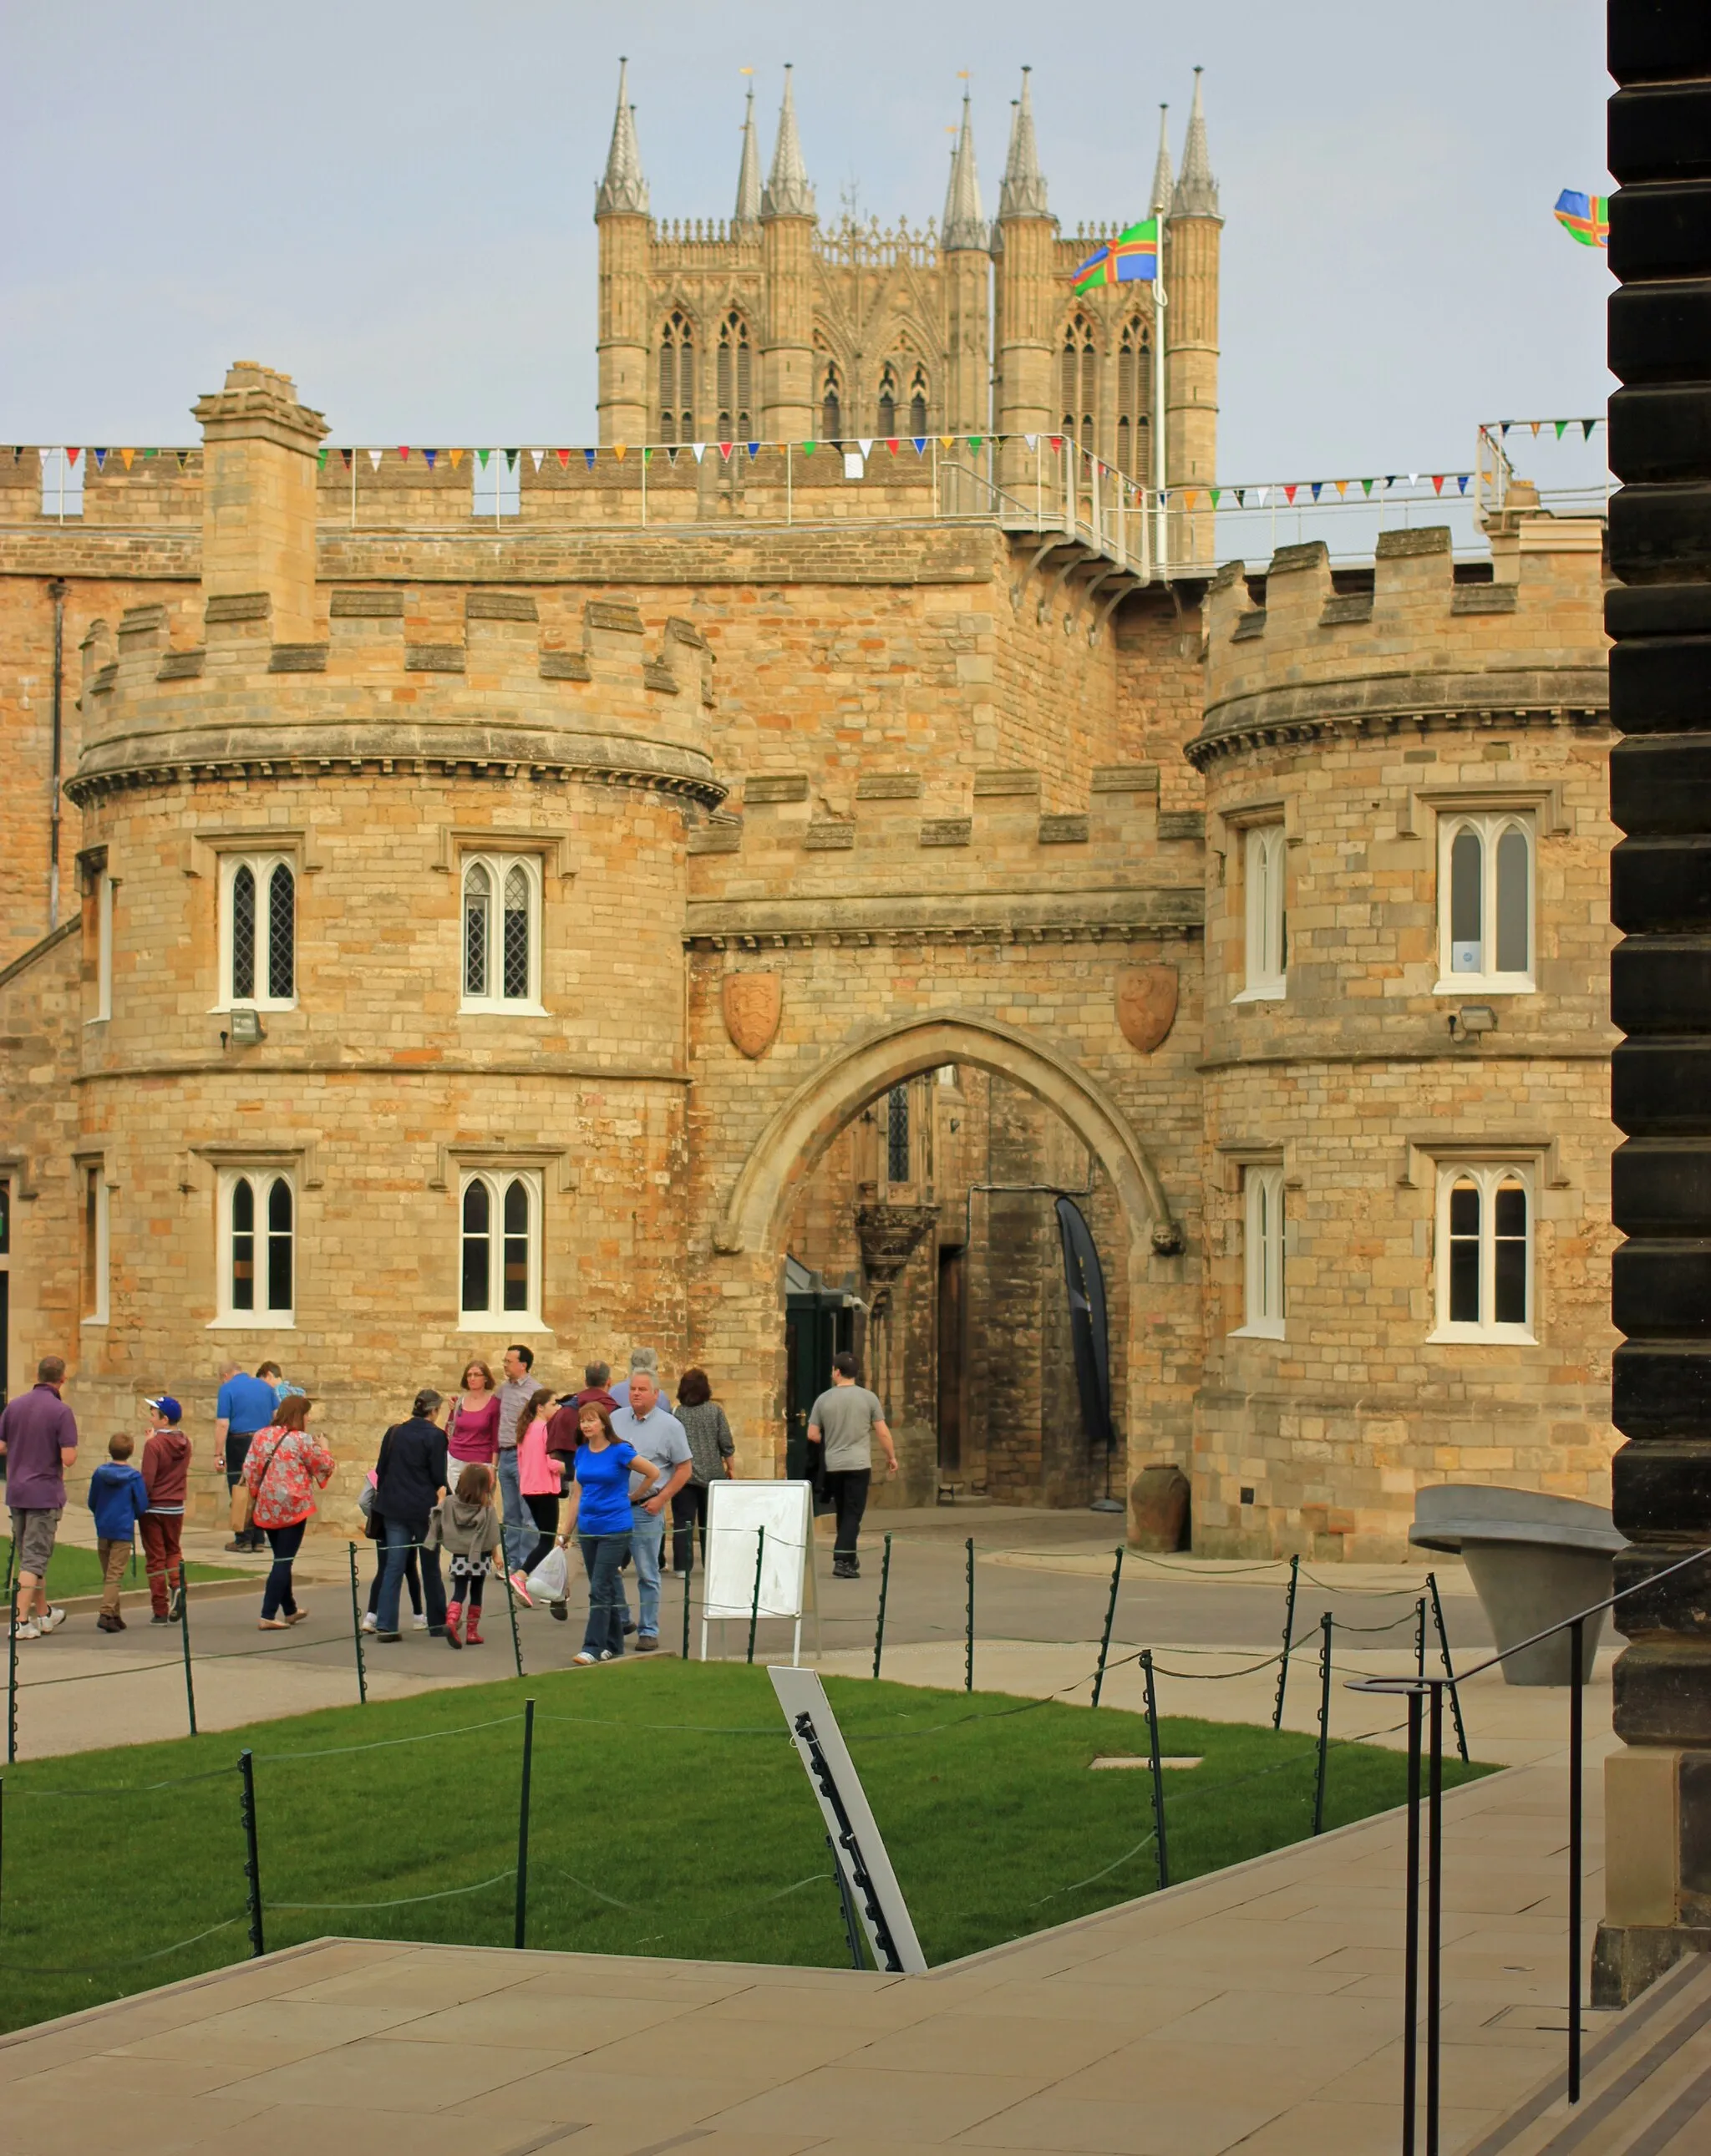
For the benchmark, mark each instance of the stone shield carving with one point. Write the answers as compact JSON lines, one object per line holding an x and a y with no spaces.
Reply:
{"x":1146,"y":1005}
{"x":753,"y":1004}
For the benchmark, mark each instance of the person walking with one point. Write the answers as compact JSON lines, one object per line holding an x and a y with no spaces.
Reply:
{"x":514,"y":1396}
{"x":166,"y":1475}
{"x":563,"y":1434}
{"x":282,"y":1471}
{"x":712,"y":1448}
{"x":412,"y":1569}
{"x":118,"y":1500}
{"x":598,"y":1514}
{"x":467,"y":1527}
{"x":472,"y":1434}
{"x":845,"y":1420}
{"x":38,"y":1442}
{"x":640,"y":1358}
{"x":658,"y":1439}
{"x":246,"y":1405}
{"x":541,"y":1479}
{"x":410,"y":1479}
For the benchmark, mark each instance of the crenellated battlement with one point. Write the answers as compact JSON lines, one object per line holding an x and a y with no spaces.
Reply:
{"x":1416,"y":639}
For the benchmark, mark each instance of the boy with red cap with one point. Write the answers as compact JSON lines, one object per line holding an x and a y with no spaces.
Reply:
{"x":165,"y":1471}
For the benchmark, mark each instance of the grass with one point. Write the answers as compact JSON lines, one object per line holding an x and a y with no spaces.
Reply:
{"x":72,"y":1571}
{"x":670,"y":1816}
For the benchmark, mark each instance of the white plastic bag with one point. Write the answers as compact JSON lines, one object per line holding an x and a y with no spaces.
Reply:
{"x":550,"y":1580}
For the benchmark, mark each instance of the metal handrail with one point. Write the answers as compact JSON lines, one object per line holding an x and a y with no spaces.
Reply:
{"x":1417,"y":1689}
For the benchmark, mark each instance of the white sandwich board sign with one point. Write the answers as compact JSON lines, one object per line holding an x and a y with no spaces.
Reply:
{"x":737,"y":1512}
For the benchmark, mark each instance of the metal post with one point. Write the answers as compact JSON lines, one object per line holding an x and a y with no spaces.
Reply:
{"x":852,"y":1923}
{"x":1319,"y":1788}
{"x":1288,"y":1640}
{"x":356,"y":1632}
{"x":1411,"y":1945}
{"x":1577,"y":1639}
{"x":760,"y":1551}
{"x":1157,"y":1767}
{"x":10,"y":1659}
{"x":688,"y":1571}
{"x":1109,"y":1617}
{"x":184,"y":1633}
{"x":1420,"y":1637}
{"x":516,"y":1643}
{"x":1437,"y":1607}
{"x":252,"y":1853}
{"x":523,"y":1827}
{"x":1433,"y":1919}
{"x":884,"y":1582}
{"x":968,"y":1655}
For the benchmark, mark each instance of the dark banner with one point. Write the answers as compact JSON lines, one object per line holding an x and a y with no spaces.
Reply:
{"x":1085,"y":1280}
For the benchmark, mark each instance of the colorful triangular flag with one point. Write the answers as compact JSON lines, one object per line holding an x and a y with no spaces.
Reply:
{"x":1437,"y":482}
{"x":374,"y":457}
{"x":1342,"y":487}
{"x":428,"y":457}
{"x":563,"y":457}
{"x":920,"y":441}
{"x":697,"y":450}
{"x":457,"y":457}
{"x":537,"y":455}
{"x":128,"y":457}
{"x":511,"y":458}
{"x":101,"y":458}
{"x":587,"y":458}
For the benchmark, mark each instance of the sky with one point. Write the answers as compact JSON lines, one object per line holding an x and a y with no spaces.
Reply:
{"x":394,"y":203}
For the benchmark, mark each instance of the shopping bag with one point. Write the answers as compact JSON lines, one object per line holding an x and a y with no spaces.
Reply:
{"x":550,"y":1580}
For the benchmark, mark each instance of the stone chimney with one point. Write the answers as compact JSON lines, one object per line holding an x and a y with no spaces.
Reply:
{"x":258,"y":479}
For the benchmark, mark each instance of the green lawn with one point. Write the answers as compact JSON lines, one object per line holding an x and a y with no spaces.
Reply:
{"x":72,"y":1571}
{"x":670,"y":1816}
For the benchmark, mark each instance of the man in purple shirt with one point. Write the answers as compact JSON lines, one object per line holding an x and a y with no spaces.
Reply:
{"x":39,"y":1438}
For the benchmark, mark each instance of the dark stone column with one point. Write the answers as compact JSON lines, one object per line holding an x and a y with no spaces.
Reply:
{"x":1658,"y":1788}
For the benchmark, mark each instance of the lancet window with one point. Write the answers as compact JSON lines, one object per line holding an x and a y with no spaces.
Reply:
{"x":677,"y":379}
{"x":1079,"y":380}
{"x":735,"y":378}
{"x":1133,"y":359}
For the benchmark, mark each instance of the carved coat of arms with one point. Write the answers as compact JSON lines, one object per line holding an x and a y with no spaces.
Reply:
{"x":1146,"y":1005}
{"x":753,"y":1004}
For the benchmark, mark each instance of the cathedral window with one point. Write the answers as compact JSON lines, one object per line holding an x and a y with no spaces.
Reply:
{"x":93,"y":1267}
{"x":1485,"y":902}
{"x":734,"y":381}
{"x":499,"y":1278}
{"x":1485,"y":1265}
{"x":1134,"y":357}
{"x":917,"y":404}
{"x":1266,"y":921}
{"x":1262,"y":1253}
{"x":502,"y":911}
{"x":831,"y":404}
{"x":677,"y":379}
{"x":1079,"y":381}
{"x":887,"y":426}
{"x":258,"y":1229}
{"x":258,"y":931}
{"x":896,"y":1135}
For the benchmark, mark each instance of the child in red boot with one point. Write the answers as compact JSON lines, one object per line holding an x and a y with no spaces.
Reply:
{"x":466,"y":1526}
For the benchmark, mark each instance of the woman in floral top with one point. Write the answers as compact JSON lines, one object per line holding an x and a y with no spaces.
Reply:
{"x":281,"y":1469}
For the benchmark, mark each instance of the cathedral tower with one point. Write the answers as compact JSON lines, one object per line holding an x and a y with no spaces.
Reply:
{"x":964,"y":242}
{"x":1026,"y":298}
{"x":787,"y":256}
{"x":621,"y":215}
{"x":1193,"y":233}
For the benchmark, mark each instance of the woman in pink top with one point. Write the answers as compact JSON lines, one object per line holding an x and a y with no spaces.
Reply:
{"x":473,"y":1432}
{"x":281,"y":1469}
{"x":540,"y":1477}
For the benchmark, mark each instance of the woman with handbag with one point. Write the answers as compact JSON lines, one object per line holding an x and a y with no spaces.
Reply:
{"x":472,"y":1435}
{"x":283,"y":1467}
{"x":410,"y":1479}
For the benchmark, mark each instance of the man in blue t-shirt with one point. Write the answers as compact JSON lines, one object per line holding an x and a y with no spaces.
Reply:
{"x":246,"y":1405}
{"x":660,"y":1440}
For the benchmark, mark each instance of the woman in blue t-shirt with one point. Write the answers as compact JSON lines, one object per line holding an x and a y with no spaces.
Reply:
{"x":598,"y":1514}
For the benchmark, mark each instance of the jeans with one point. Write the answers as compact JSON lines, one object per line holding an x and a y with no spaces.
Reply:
{"x":400,"y":1534}
{"x":161,"y":1533}
{"x":412,"y":1577}
{"x":602,"y":1556}
{"x":689,"y":1511}
{"x":517,"y":1530}
{"x":647,"y":1541}
{"x":847,"y":1488}
{"x":277,"y":1599}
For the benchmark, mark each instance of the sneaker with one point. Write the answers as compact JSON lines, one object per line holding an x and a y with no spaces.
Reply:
{"x":175,"y":1605}
{"x":389,"y":1638}
{"x":274,"y":1624}
{"x":30,"y":1630}
{"x":160,"y":1620}
{"x":520,"y":1588}
{"x":646,"y":1642}
{"x":371,"y":1623}
{"x":560,"y":1610}
{"x":585,"y":1660}
{"x":296,"y":1616}
{"x":52,"y":1617}
{"x":628,"y":1626}
{"x":608,"y":1654}
{"x":237,"y":1547}
{"x":420,"y":1621}
{"x":110,"y":1622}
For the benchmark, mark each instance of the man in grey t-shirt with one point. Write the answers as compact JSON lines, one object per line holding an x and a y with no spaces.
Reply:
{"x":514,"y":1396}
{"x":845,"y":1420}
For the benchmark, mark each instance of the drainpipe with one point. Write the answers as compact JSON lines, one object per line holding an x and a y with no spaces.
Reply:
{"x":56,"y":592}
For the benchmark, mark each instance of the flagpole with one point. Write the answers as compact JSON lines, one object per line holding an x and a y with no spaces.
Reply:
{"x":1163,"y":548}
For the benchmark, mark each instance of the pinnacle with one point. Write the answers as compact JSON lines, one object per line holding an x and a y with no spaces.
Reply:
{"x":965,"y":226}
{"x":1023,"y":193}
{"x":788,"y":192}
{"x":747,"y":212}
{"x":1162,"y":187}
{"x":624,"y":191}
{"x":1196,"y":191}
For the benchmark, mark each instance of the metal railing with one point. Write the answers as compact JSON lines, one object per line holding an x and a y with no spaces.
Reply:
{"x":1425,"y":1706}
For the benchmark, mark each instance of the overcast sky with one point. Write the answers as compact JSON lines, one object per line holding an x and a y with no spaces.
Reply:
{"x":393,"y":202}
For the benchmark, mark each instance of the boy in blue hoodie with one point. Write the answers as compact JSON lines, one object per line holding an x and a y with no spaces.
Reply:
{"x":118,"y":1497}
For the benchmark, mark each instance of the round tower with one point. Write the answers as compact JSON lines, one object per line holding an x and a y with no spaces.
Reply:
{"x":394,"y":1071}
{"x":626,"y":237}
{"x":964,"y":240}
{"x":1193,"y":235}
{"x":1407,"y":1134}
{"x":1026,"y":299}
{"x":787,"y":413}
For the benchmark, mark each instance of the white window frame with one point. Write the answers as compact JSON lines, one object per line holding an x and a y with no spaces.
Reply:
{"x":62,"y":483}
{"x":496,"y":1179}
{"x":1487,"y":1176}
{"x":498,"y":867}
{"x":1265,"y":914}
{"x":1263,"y":1252}
{"x":261,"y":1175}
{"x":97,"y":1263}
{"x":497,"y":485}
{"x":261,"y":866}
{"x":1490,"y":825}
{"x":104,"y":948}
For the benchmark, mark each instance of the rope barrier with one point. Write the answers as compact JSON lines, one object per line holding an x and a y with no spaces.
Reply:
{"x":383,"y":1743}
{"x":100,"y":1968}
{"x":405,"y":1901}
{"x":119,"y":1789}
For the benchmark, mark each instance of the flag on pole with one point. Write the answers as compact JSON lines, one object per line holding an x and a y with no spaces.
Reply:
{"x":1584,"y":218}
{"x":1132,"y":255}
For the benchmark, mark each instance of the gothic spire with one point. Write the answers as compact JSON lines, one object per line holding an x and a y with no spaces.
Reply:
{"x":787,"y":193}
{"x":749,"y":173}
{"x":624,"y":192}
{"x":1196,"y":190}
{"x":963,"y":225}
{"x":1023,"y":193}
{"x":1162,"y":185}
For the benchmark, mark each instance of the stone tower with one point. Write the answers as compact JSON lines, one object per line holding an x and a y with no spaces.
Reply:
{"x":1028,"y":300}
{"x":964,"y":242}
{"x":1193,"y":233}
{"x":621,"y":213}
{"x":787,"y":256}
